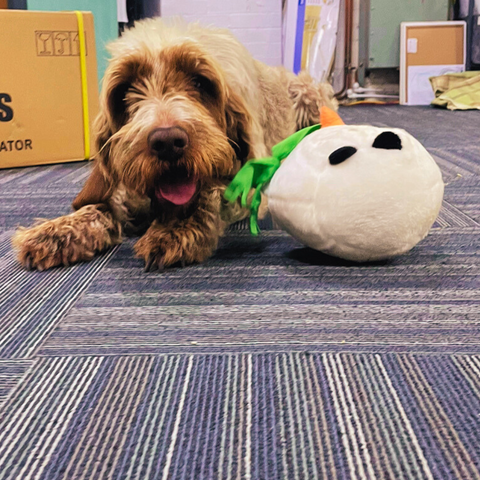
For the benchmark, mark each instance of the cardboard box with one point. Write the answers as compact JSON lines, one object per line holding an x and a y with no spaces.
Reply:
{"x":104,"y":12}
{"x":41,"y":102}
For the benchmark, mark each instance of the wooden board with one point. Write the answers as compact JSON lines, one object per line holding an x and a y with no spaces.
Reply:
{"x":437,"y":45}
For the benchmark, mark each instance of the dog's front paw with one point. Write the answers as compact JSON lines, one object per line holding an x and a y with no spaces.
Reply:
{"x":45,"y":246}
{"x":65,"y":240}
{"x":161,"y":248}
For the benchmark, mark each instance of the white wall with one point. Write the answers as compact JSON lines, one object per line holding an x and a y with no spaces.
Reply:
{"x":256,"y":23}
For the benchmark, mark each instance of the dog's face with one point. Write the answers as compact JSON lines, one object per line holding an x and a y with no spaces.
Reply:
{"x":169,"y":122}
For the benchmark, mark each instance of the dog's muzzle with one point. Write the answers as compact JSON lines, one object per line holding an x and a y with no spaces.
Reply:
{"x":168,"y":144}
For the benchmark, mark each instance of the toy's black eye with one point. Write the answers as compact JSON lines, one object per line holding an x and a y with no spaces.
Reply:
{"x":341,"y":154}
{"x":388,"y":141}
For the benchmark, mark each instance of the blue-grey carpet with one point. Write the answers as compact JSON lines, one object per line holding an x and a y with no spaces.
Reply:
{"x":269,"y":361}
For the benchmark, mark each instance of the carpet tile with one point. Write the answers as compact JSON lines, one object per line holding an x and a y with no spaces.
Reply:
{"x":31,"y":303}
{"x":268,"y":416}
{"x":12,"y":373}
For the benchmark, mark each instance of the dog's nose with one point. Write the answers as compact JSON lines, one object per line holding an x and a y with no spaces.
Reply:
{"x":168,"y":143}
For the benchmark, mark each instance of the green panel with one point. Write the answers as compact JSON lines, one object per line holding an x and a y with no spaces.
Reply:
{"x":385,"y":19}
{"x":105,"y":18}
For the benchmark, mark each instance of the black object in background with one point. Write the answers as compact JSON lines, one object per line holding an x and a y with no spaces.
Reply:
{"x":473,"y":34}
{"x":17,"y":4}
{"x":139,"y":9}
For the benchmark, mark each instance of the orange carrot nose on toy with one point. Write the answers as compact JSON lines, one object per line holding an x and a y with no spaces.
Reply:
{"x":329,"y":118}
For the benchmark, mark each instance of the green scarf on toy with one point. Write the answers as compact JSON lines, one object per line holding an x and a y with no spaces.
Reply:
{"x":255,"y":174}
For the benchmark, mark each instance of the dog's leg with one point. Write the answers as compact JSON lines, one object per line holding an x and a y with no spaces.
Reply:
{"x":184,"y":241}
{"x":308,"y":96}
{"x":69,"y":239}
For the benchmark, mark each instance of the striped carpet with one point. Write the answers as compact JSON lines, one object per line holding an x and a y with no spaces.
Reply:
{"x":269,"y":361}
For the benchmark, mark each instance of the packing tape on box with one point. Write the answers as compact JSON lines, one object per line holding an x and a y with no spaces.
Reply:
{"x":83,"y":76}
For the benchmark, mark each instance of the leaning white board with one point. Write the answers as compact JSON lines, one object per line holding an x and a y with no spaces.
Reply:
{"x":322,"y":49}
{"x":310,"y":33}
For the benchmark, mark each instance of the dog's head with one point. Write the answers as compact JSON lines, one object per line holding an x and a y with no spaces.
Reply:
{"x":169,"y":120}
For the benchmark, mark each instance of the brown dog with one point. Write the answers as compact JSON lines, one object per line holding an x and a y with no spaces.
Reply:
{"x":182,"y":107}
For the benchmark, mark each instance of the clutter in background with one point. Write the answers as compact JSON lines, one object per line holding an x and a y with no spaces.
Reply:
{"x":356,"y":45}
{"x":457,"y":91}
{"x":323,"y":37}
{"x":42,"y":106}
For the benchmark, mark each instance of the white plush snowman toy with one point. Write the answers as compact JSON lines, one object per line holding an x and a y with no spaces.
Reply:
{"x":361,"y":193}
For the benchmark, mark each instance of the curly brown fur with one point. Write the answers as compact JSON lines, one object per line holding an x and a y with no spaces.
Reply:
{"x":230,"y":108}
{"x":67,"y":240}
{"x":308,"y":97}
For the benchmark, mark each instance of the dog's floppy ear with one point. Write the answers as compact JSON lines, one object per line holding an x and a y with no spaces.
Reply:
{"x":99,"y":185}
{"x":97,"y":189}
{"x":239,"y":126}
{"x":111,"y":118}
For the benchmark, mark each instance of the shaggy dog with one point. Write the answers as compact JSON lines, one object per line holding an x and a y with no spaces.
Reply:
{"x":182,"y":108}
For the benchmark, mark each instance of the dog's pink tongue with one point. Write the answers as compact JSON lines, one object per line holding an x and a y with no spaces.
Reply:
{"x":178,"y":193}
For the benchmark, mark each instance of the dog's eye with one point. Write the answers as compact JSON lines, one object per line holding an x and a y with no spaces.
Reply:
{"x":117,"y":103}
{"x":204,"y":85}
